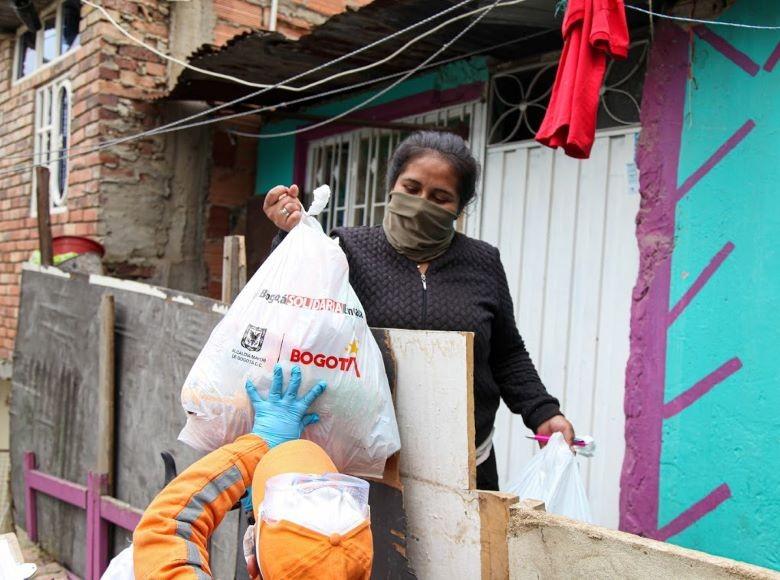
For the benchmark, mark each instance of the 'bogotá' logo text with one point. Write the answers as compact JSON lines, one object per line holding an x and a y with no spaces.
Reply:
{"x":343,"y":363}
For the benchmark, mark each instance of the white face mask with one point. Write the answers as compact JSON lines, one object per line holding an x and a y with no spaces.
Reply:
{"x":328,"y":504}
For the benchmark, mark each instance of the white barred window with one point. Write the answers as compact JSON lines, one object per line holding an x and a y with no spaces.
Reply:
{"x":52,"y":139}
{"x":355,"y":164}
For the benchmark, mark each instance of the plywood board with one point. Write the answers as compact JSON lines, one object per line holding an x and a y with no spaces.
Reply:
{"x":55,"y":386}
{"x":434,"y":403}
{"x":431,"y":405}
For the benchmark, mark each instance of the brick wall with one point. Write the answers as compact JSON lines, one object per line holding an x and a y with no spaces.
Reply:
{"x":109,"y":81}
{"x":294,"y":17}
{"x":18,"y":233}
{"x":232,"y":184}
{"x":126,"y":196}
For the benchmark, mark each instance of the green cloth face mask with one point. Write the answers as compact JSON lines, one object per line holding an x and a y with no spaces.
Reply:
{"x":417,"y":228}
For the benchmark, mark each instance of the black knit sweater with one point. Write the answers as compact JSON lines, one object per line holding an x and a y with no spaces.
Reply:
{"x":466,"y":290}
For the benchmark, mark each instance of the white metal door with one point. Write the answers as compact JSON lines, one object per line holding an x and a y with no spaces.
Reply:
{"x":565,"y":229}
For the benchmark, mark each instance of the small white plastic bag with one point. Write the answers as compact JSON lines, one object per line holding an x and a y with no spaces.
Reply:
{"x":553,"y":477}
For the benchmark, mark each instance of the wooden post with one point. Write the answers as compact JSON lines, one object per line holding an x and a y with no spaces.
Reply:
{"x":106,"y":390}
{"x":97,"y":555}
{"x":233,"y":267}
{"x":44,"y":220}
{"x":233,"y":280}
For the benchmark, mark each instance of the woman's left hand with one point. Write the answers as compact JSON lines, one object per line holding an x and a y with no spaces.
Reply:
{"x":556,"y":424}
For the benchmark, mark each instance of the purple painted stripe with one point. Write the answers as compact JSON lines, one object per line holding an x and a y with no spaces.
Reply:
{"x":716,"y":158}
{"x":699,"y":283}
{"x":60,"y":489}
{"x":704,"y":386}
{"x":694,"y":513}
{"x":728,"y":50}
{"x":119,"y":513}
{"x":770,"y":63}
{"x":662,"y":115}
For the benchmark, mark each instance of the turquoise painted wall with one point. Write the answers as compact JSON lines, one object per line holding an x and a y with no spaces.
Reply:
{"x":730,"y":435}
{"x":276,"y":157}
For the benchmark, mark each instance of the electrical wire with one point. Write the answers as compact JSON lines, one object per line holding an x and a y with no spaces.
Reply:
{"x":698,"y":21}
{"x":165,"y":56}
{"x":247,"y":83}
{"x":163,"y":128}
{"x":167,"y":129}
{"x":178,"y":123}
{"x":347,"y":72}
{"x":389,"y":87}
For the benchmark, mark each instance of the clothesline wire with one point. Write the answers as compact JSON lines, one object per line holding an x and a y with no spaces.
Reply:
{"x":177,"y":125}
{"x":388,"y":88}
{"x":700,"y":21}
{"x":91,"y":148}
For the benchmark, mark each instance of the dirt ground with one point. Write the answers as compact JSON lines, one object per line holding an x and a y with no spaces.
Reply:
{"x":48,"y":569}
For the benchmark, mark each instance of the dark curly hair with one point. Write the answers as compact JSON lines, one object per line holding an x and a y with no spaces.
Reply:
{"x":449,"y":146}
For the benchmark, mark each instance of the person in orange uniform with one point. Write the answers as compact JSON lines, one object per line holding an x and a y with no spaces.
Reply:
{"x":311,"y":521}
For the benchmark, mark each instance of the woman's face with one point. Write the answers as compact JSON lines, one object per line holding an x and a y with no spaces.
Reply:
{"x":432,"y":178}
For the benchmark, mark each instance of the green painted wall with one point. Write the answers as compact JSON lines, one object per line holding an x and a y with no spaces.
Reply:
{"x":276,"y":156}
{"x":728,"y":436}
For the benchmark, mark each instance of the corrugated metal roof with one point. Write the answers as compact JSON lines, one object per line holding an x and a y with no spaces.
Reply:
{"x":269,"y":58}
{"x":9,"y":21}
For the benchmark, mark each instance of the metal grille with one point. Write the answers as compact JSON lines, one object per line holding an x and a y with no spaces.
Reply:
{"x":519,"y":98}
{"x":355,"y":164}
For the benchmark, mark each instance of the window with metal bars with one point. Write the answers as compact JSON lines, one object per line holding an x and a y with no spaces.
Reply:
{"x":519,"y":97}
{"x":355,"y":164}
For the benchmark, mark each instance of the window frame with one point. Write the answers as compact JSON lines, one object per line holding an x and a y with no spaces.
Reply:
{"x":470,"y":111}
{"x":55,"y":8}
{"x":51,"y":132}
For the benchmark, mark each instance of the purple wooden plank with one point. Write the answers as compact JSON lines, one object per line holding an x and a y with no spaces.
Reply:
{"x":31,"y":508}
{"x":97,"y":529}
{"x":119,"y":513}
{"x":58,"y":488}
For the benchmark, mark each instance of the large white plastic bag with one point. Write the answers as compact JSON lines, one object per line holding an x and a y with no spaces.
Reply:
{"x":298,"y":308}
{"x":553,"y":476}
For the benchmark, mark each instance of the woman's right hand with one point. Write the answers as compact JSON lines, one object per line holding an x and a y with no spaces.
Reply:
{"x":283,"y":207}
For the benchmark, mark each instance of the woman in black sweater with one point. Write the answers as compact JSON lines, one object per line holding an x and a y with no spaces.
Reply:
{"x":416,"y":272}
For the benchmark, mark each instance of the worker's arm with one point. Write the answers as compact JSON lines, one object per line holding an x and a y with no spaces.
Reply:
{"x":171,"y":540}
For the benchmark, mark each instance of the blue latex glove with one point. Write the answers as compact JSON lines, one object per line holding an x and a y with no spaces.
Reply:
{"x":246,"y":502}
{"x":282,"y":417}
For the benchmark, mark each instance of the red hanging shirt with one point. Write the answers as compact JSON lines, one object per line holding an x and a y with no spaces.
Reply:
{"x":592,"y":29}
